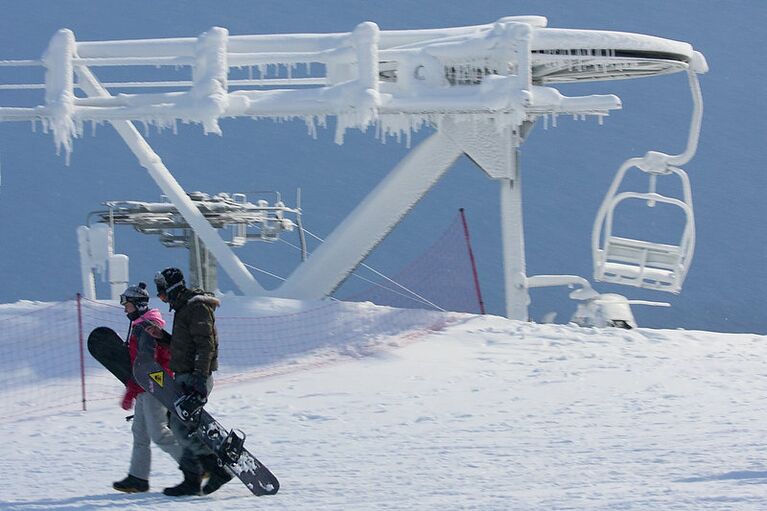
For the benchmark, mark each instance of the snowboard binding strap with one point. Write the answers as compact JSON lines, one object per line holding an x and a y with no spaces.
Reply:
{"x":188,"y":406}
{"x":231,"y":448}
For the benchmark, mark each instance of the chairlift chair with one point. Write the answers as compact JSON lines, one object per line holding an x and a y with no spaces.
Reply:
{"x":642,"y":263}
{"x":637,"y":262}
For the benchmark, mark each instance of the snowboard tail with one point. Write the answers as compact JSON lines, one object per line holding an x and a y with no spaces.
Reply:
{"x":111,"y":351}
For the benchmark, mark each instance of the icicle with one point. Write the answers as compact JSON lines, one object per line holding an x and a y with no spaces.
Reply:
{"x":409,"y":133}
{"x":311,"y":126}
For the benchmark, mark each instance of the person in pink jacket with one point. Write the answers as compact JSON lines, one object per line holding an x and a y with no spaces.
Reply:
{"x":150,"y":420}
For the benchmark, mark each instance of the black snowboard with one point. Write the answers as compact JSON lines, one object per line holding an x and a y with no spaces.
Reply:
{"x":227,"y":445}
{"x":111,"y":351}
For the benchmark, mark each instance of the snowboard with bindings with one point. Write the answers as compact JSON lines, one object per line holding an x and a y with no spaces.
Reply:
{"x":227,"y":445}
{"x":111,"y":351}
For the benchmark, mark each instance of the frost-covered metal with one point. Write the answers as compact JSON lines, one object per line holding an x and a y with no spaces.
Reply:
{"x":480,"y":88}
{"x":242,"y":219}
{"x":648,"y":263}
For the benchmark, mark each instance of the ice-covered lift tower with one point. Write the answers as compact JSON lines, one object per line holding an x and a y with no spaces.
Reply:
{"x":480,"y":87}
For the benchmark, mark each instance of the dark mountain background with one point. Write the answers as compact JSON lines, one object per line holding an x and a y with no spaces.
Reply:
{"x":566,"y":170}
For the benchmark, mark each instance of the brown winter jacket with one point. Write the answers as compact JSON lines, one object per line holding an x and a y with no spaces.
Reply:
{"x":194,"y":341}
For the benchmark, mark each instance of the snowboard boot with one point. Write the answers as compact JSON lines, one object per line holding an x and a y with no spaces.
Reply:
{"x":131,"y":484}
{"x":219,"y":475}
{"x":189,"y":486}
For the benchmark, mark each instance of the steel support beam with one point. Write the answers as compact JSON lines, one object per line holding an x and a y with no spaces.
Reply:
{"x":152,"y":162}
{"x":372,"y":220}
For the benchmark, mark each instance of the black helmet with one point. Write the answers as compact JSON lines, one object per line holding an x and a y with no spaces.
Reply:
{"x":137,"y":295}
{"x":169,"y":280}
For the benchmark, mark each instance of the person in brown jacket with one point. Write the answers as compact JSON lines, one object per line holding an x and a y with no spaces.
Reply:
{"x":193,"y":359}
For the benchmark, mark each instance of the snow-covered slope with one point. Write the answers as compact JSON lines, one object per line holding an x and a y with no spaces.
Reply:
{"x":487,"y":414}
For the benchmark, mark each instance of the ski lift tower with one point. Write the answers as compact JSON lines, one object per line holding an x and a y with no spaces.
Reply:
{"x":481,"y":88}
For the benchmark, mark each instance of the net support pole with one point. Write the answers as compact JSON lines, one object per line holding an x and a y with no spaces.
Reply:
{"x":472,"y":261}
{"x":82,"y":348}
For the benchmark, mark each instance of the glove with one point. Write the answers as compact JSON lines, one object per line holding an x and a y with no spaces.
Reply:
{"x":154,"y":330}
{"x":196,"y":385}
{"x":131,"y":391}
{"x":127,"y":402}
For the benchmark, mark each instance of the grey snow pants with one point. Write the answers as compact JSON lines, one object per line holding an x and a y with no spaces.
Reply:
{"x":150,"y":423}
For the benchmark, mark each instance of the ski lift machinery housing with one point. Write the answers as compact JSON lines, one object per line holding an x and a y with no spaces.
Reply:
{"x":232,"y":213}
{"x":481,"y":88}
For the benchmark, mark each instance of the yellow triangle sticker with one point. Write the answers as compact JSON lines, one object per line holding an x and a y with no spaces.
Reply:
{"x":158,"y":377}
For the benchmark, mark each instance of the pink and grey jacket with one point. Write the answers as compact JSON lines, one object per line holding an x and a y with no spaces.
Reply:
{"x":161,"y":354}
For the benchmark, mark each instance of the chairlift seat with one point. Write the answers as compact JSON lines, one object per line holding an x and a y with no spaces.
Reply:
{"x":641,"y":263}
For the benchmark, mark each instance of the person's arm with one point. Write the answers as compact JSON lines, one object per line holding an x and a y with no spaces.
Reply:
{"x":164,"y":338}
{"x":202,"y":331}
{"x":146,"y":341}
{"x":160,"y":335}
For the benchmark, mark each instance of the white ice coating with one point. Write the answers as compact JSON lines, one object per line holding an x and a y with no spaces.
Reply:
{"x":640,"y":263}
{"x":154,"y":165}
{"x":396,"y":81}
{"x":59,"y":90}
{"x":210,"y":78}
{"x":481,"y":87}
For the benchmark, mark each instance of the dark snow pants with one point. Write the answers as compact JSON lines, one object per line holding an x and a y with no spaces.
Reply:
{"x":193,"y":448}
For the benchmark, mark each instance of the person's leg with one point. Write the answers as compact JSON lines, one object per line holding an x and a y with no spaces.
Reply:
{"x":189,"y":462}
{"x":141,"y":456}
{"x":138,"y":473}
{"x":192,"y":442}
{"x":157,"y":426}
{"x":219,"y":475}
{"x":185,"y":437}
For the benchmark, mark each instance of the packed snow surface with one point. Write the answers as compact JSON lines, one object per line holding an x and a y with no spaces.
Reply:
{"x":485,"y":414}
